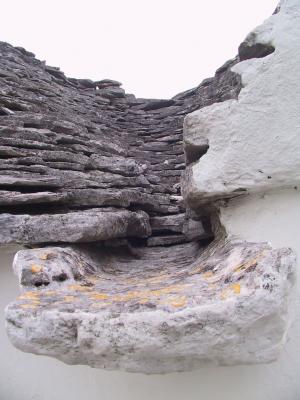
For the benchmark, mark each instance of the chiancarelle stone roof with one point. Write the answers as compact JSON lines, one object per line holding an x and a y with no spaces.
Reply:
{"x":119,"y":271}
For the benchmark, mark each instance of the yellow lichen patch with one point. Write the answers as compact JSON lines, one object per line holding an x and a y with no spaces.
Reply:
{"x":133,"y":281}
{"x":35,"y":268}
{"x":29,"y":296}
{"x":69,"y":299}
{"x":208,"y":274}
{"x":157,"y":279}
{"x":143,"y":301}
{"x":28,"y":305}
{"x":151,"y":280}
{"x":100,"y":305}
{"x":148,"y":294}
{"x":224,"y":294}
{"x":179,"y":302}
{"x":48,"y":292}
{"x":99,"y":296}
{"x":239,"y":268}
{"x":250,"y":263}
{"x":233,"y":288}
{"x":236,"y":287}
{"x":169,"y":289}
{"x":44,"y":256}
{"x":176,"y":302}
{"x":196,"y":270}
{"x":131,"y":295}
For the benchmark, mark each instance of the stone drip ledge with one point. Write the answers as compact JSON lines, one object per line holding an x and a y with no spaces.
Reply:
{"x":142,"y":312}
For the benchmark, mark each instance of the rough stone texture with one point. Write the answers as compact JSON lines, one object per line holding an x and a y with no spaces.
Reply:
{"x":84,"y":226}
{"x":150,"y":285}
{"x":68,"y":144}
{"x":225,"y":306}
{"x":252,"y":143}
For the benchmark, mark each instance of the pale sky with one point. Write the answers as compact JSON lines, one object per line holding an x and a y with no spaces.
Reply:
{"x":156,"y":48}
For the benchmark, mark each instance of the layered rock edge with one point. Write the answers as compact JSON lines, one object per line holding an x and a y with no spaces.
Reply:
{"x":124,"y":273}
{"x":223,"y":308}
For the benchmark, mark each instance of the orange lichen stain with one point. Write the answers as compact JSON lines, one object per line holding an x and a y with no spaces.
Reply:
{"x":208,"y":274}
{"x":44,"y":256}
{"x":239,"y":268}
{"x":157,"y":279}
{"x":100,"y":305}
{"x":236,"y":287}
{"x":48,"y":292}
{"x":233,"y":288}
{"x":148,"y":294}
{"x":28,"y":305}
{"x":29,"y":296}
{"x":143,"y":301}
{"x":99,"y":296}
{"x":224,"y":294}
{"x":178,"y":302}
{"x":36,"y":268}
{"x":162,"y":291}
{"x":250,"y":263}
{"x":69,"y":299}
{"x":133,"y":281}
{"x":196,"y":270}
{"x":170,"y":289}
{"x":131,"y":295}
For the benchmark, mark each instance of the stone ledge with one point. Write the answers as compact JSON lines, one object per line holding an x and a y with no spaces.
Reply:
{"x":81,"y":226}
{"x":225,"y":306}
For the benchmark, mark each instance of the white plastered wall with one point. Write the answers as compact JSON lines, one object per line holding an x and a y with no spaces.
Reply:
{"x":254,"y":142}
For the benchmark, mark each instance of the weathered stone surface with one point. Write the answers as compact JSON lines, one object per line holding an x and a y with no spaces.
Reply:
{"x":166,"y":240}
{"x":107,"y":83}
{"x":8,"y":197}
{"x":251,"y":48}
{"x":69,"y":144}
{"x":150,"y":314}
{"x":82,"y":226}
{"x":172,"y":223}
{"x":112,"y":92}
{"x":117,"y":165}
{"x":251,"y":144}
{"x":83,"y":162}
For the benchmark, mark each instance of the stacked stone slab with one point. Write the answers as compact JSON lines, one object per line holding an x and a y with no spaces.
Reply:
{"x":68,"y":145}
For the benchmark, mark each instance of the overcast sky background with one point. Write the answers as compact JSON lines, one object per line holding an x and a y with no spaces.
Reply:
{"x":156,"y":48}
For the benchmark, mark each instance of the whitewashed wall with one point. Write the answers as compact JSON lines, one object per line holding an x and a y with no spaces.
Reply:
{"x":27,"y":377}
